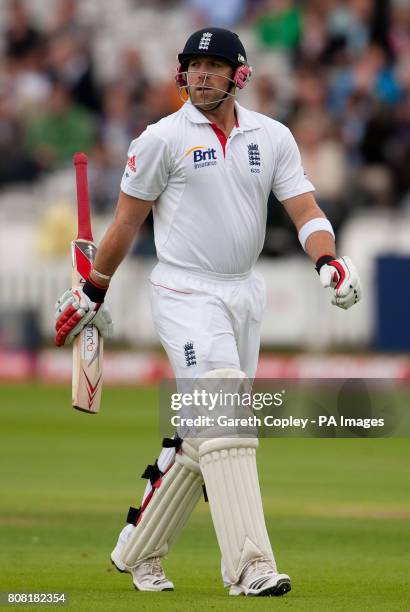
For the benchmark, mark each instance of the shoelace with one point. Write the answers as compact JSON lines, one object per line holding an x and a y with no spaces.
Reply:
{"x":262,"y":566}
{"x":154,"y":567}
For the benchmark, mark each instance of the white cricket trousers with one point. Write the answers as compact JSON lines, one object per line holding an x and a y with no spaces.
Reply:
{"x":206,"y":321}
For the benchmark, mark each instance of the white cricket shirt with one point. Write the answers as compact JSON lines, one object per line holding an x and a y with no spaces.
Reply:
{"x":212,"y":192}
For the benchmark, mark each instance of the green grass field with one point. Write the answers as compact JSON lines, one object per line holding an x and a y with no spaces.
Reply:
{"x":338,"y":511}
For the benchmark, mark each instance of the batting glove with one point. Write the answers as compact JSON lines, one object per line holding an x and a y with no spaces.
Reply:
{"x":75,"y":310}
{"x":341,"y":275}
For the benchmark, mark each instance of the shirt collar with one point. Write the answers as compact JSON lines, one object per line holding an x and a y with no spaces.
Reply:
{"x":193,"y":114}
{"x":247,"y":119}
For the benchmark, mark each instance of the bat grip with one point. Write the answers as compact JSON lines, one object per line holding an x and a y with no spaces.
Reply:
{"x":83,"y":203}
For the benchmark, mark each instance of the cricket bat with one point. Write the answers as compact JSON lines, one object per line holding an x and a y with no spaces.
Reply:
{"x":88,"y":344}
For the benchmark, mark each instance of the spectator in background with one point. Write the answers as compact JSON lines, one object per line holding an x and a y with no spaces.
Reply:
{"x":23,"y":62}
{"x":400,"y":144}
{"x":374,"y":188}
{"x":155,"y":4}
{"x":264,"y":90}
{"x":132,"y":76}
{"x":399,"y":30}
{"x":70,"y":63}
{"x":370,"y":76}
{"x":67,"y":20}
{"x":219,"y":13}
{"x":160,"y":99}
{"x":386,"y":145}
{"x":16,"y":165}
{"x":323,"y":161}
{"x":313,"y":34}
{"x":353,"y":122}
{"x":378,"y":133}
{"x":115,"y":128}
{"x":26,"y":81}
{"x":349,"y":24}
{"x":61,"y":129}
{"x":104,"y":175}
{"x":70,"y":53}
{"x":116,"y":125}
{"x":310,"y":88}
{"x":278,"y":24}
{"x":373,"y":76}
{"x":21,"y":37}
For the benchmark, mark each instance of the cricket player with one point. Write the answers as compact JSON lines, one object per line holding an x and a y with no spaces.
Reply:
{"x":206,"y":171}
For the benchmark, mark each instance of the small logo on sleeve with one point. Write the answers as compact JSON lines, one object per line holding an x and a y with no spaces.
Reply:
{"x":132,"y":163}
{"x":254,"y":157}
{"x":190,"y":357}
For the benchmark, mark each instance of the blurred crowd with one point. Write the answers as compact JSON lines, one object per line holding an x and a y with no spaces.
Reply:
{"x":336,"y":72}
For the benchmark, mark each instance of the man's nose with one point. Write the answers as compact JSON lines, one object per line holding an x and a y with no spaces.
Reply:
{"x":199,"y":77}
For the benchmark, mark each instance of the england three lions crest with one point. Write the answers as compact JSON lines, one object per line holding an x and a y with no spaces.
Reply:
{"x":254,"y":158}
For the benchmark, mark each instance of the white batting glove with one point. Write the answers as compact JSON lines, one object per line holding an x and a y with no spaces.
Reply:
{"x":74,"y":311}
{"x":341,"y":275}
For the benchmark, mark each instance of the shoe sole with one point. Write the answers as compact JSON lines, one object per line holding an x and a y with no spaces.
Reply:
{"x":151,"y":590}
{"x":118,"y":569}
{"x":281,"y":588}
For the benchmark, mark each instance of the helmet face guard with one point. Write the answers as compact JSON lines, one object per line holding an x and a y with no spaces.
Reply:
{"x":240,"y":78}
{"x":215,"y":42}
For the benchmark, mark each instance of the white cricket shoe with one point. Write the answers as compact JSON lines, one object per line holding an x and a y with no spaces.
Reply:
{"x":149,"y":576}
{"x":259,"y":579}
{"x":117,"y":552}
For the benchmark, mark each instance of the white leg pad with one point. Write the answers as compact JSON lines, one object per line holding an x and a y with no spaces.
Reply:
{"x":168,"y":510}
{"x":231,"y":479}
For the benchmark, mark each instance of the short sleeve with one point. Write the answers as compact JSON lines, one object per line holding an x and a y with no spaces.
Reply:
{"x":147,"y":170}
{"x":289,"y":179}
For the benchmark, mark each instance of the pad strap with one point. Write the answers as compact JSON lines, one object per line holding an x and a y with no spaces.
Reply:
{"x":153,"y":474}
{"x":133,"y":515}
{"x":172,"y":443}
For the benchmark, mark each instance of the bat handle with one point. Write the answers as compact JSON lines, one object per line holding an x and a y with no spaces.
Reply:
{"x":80,"y":158}
{"x":83,"y":204}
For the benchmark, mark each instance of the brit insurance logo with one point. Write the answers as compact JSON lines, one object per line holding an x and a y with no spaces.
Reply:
{"x":254,"y":158}
{"x":202,"y":156}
